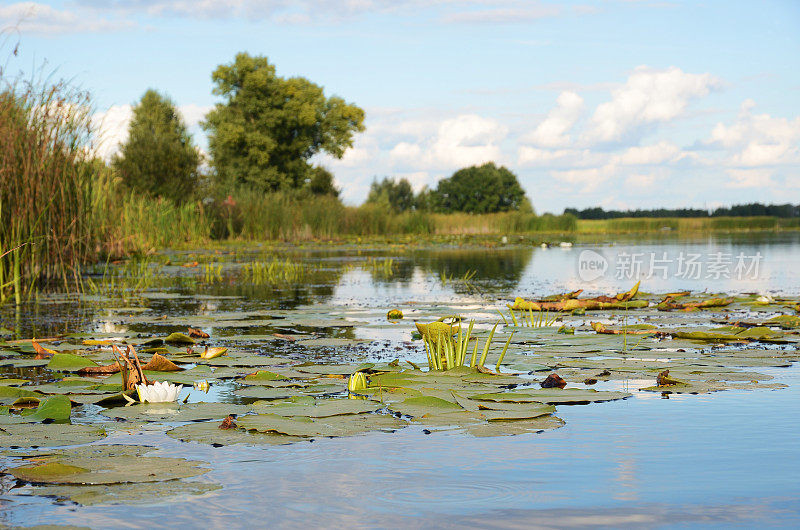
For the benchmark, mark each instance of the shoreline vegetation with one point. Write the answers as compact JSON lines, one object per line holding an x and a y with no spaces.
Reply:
{"x":62,"y":207}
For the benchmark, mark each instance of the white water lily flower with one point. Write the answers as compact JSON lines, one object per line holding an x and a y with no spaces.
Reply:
{"x":158,"y":392}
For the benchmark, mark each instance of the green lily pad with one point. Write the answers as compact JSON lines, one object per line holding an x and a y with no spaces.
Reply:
{"x":48,"y":434}
{"x":321,"y":409}
{"x":263,"y":392}
{"x":498,"y":411}
{"x":54,"y":408}
{"x":174,"y":412}
{"x":422,"y":406}
{"x":553,"y":396}
{"x":329,"y":369}
{"x":210,"y":433}
{"x":128,"y":494}
{"x":263,"y":375}
{"x":179,"y":338}
{"x":68,"y":469}
{"x":13,"y":382}
{"x":509,"y":428}
{"x":343,"y":425}
{"x":67,"y":362}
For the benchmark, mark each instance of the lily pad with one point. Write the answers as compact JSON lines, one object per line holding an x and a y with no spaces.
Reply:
{"x":553,"y":396}
{"x":179,"y":338}
{"x":321,"y":409}
{"x":345,"y":425}
{"x":173,"y":412}
{"x":128,"y":494}
{"x":67,"y":362}
{"x":53,"y":408}
{"x":48,"y":434}
{"x":508,"y":428}
{"x":210,"y":433}
{"x":65,"y":468}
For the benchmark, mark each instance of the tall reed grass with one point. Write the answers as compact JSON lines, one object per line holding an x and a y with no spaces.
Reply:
{"x":45,"y":183}
{"x":291,"y":216}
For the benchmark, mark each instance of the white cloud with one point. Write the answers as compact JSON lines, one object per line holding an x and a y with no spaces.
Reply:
{"x":111,"y":130}
{"x":552,"y":131}
{"x":749,"y":178}
{"x":648,"y":97}
{"x":501,"y":15}
{"x":111,"y":126}
{"x":405,"y":151}
{"x":306,"y":11}
{"x":649,"y":155}
{"x":756,"y":140}
{"x":33,"y":17}
{"x":588,"y":179}
{"x":193,"y":114}
{"x":641,"y":181}
{"x":465,"y":140}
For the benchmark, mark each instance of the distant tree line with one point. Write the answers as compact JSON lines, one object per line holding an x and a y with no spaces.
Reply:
{"x":754,"y":209}
{"x":477,"y":189}
{"x":262,"y":138}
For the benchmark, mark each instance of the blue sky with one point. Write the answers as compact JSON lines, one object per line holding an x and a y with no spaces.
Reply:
{"x":623,"y":104}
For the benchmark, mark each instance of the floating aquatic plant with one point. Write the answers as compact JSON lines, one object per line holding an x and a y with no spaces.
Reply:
{"x":158,"y":392}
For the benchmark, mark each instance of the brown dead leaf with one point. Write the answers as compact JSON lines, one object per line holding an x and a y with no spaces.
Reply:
{"x":159,"y":363}
{"x":663,"y":379}
{"x":41,"y":353}
{"x":100,"y":370}
{"x":228,"y":423}
{"x":197,"y":333}
{"x":553,"y":381}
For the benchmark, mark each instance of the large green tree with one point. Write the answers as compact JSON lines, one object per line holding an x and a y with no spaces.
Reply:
{"x":158,"y":158}
{"x":480,"y":189}
{"x":268,"y":127}
{"x":396,"y":195}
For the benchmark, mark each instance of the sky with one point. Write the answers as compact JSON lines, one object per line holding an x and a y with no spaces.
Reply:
{"x":621,"y":103}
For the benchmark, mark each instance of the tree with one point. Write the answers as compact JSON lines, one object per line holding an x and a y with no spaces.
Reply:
{"x":394,"y":194}
{"x":320,"y":182}
{"x":268,"y":127}
{"x":158,"y":158}
{"x":480,"y":189}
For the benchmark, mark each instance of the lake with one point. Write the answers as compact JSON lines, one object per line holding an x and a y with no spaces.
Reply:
{"x":727,"y":458}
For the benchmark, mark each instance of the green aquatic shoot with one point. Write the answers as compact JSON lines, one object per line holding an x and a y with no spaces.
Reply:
{"x":503,"y":354}
{"x":513,"y":316}
{"x":488,"y":344}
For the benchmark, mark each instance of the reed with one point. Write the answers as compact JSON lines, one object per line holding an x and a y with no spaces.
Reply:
{"x":45,"y":182}
{"x":275,"y":272}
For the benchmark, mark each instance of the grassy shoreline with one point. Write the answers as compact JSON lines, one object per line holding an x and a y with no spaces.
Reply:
{"x":632,"y":225}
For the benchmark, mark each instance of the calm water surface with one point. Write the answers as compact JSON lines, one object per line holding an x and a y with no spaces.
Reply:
{"x":715,"y":460}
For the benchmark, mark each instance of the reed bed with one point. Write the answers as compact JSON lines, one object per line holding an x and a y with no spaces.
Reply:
{"x":45,"y":184}
{"x":684,"y":224}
